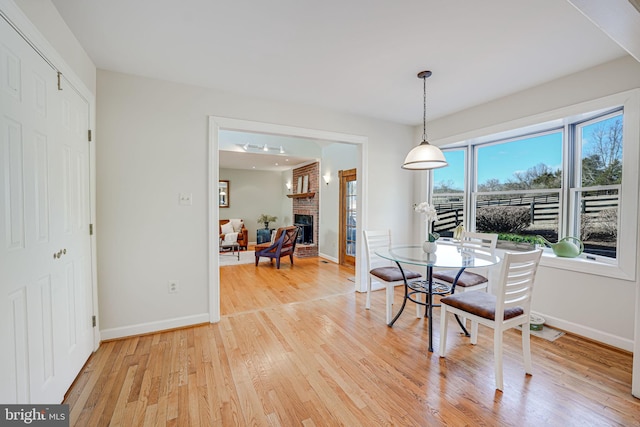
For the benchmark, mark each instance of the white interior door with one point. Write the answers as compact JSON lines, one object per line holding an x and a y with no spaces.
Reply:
{"x":45,"y":254}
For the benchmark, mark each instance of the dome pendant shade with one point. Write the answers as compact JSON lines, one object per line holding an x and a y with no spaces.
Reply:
{"x":424,"y":156}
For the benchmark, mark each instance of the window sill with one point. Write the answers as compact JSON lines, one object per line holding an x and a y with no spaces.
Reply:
{"x":583,"y":265}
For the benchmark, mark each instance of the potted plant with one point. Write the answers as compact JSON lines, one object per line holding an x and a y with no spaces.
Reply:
{"x":430,"y":215}
{"x":266,"y":219}
{"x":520,"y":242}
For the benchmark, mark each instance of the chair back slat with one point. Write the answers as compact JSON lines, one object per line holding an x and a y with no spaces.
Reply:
{"x":376,"y":240}
{"x":483,"y":242}
{"x":516,"y":281}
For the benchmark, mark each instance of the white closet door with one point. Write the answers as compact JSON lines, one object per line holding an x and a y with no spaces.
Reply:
{"x":45,"y":301}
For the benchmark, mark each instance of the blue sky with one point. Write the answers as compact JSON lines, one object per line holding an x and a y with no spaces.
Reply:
{"x":501,"y":161}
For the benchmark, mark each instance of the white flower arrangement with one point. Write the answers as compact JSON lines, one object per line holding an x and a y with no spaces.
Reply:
{"x":430,"y":215}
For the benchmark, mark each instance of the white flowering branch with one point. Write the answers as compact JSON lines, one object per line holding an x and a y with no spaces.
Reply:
{"x":430,"y":215}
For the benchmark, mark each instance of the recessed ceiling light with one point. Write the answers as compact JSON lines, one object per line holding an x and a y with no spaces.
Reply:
{"x":276,"y":164}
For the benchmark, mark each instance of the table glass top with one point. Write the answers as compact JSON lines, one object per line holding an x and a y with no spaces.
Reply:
{"x":448,"y":255}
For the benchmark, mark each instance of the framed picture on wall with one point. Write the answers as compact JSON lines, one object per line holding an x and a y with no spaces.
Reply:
{"x":299,"y":188}
{"x":223,"y":193}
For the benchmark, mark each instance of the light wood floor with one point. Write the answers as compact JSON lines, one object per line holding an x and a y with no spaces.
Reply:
{"x":295,"y":346}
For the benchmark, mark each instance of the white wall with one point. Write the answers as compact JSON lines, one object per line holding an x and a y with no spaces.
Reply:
{"x":252,"y":194}
{"x":153,"y":145}
{"x":335,"y":157}
{"x":598,"y":307}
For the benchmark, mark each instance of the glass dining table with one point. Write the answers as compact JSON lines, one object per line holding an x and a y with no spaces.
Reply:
{"x":448,"y":255}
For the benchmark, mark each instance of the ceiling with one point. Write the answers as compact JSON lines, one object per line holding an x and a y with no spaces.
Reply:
{"x":352,"y":56}
{"x":259,"y":161}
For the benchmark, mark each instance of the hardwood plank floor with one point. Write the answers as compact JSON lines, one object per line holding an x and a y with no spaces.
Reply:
{"x":295,"y":346}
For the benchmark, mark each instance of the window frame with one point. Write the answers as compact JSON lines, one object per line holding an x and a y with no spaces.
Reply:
{"x":624,"y":265}
{"x":467,"y":182}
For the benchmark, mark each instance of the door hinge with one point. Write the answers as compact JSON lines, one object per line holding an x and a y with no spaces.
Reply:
{"x":89,"y":135}
{"x":93,"y":321}
{"x":59,"y":82}
{"x":90,"y":229}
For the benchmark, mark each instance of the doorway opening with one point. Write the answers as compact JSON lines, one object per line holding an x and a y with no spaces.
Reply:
{"x":217,"y":124}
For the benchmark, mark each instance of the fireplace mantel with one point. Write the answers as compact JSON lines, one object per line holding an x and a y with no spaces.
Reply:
{"x":301,"y":195}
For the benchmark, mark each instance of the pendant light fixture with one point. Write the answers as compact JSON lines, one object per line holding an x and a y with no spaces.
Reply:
{"x":424,"y":156}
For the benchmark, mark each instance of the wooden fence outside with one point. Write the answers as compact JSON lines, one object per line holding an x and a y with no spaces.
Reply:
{"x":544,"y":208}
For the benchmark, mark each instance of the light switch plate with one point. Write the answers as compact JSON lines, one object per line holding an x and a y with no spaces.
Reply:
{"x":184,"y":199}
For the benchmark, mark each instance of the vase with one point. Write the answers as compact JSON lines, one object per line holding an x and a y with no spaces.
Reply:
{"x":429,"y":247}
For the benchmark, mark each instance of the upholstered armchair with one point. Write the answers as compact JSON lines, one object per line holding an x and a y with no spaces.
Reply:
{"x":284,"y":243}
{"x":235,"y":226}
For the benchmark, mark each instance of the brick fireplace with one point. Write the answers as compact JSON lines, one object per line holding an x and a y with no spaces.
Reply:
{"x":306,"y":205}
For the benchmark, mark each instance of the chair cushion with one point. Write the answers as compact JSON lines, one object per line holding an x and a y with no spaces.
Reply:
{"x":466,"y":279}
{"x":237,"y":224}
{"x":393,"y":274}
{"x":227,"y":228}
{"x":479,"y":303}
{"x":262,"y":246}
{"x":230,"y":238}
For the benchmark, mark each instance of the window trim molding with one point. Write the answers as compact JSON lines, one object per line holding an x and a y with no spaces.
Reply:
{"x":626,"y":265}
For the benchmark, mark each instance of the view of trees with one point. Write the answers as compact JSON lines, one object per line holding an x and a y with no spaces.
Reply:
{"x":538,"y":176}
{"x":602,"y":160}
{"x":601,"y":165}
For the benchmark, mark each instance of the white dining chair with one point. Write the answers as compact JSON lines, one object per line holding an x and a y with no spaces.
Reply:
{"x":382,"y":269}
{"x":470,"y":280}
{"x":510,"y":307}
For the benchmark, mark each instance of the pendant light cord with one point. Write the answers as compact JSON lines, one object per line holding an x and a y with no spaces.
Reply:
{"x":424,"y":108}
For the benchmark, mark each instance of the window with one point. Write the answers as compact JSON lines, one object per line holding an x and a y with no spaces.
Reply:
{"x":595,"y":189}
{"x":449,"y":192}
{"x":519,"y":184}
{"x":556,"y":178}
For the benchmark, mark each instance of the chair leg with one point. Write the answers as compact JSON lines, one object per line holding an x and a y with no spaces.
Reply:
{"x":474,"y":332}
{"x":278,"y":263}
{"x":418,"y":297}
{"x":497,"y":355}
{"x":367,"y":303}
{"x":443,"y":330}
{"x":257,"y":258}
{"x":388,"y":302}
{"x":291,"y":258}
{"x":526,"y":349}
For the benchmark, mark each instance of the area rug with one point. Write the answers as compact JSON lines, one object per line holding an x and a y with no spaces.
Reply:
{"x":246,"y":257}
{"x":547,"y":333}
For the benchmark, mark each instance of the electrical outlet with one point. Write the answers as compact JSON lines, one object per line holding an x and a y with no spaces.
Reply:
{"x":184,"y":199}
{"x":173,"y":287}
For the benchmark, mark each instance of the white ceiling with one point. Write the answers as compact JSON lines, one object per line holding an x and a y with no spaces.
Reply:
{"x":259,"y":161}
{"x":354,"y":56}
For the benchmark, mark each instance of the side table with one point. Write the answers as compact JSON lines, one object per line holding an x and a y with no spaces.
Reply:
{"x":234,"y":248}
{"x":263,"y":235}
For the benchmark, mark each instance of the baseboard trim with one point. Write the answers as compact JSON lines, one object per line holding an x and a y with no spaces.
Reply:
{"x":589,"y":333}
{"x":327,"y":257}
{"x":150,"y":327}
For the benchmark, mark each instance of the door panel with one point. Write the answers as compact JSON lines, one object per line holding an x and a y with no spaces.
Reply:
{"x":348,"y":211}
{"x":45,"y":300}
